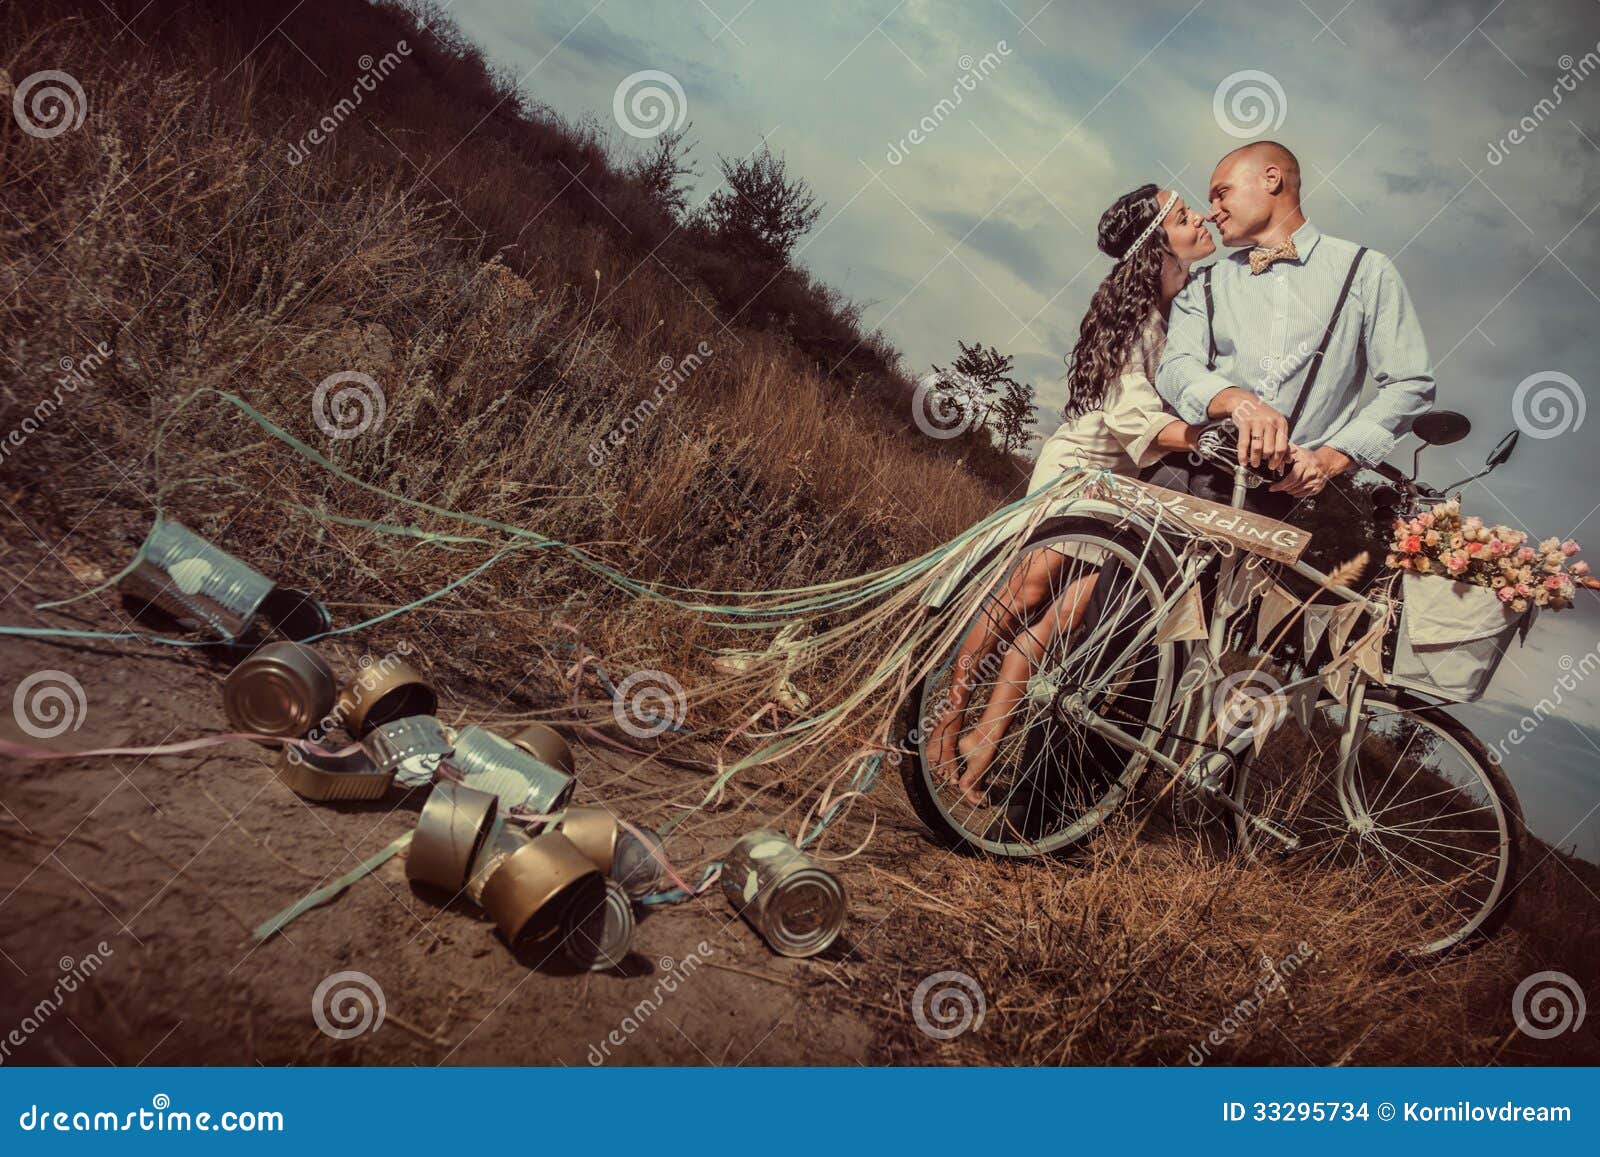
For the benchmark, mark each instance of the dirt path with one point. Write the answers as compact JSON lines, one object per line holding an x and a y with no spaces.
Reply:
{"x":169,"y":861}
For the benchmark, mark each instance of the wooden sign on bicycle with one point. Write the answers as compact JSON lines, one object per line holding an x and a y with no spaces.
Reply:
{"x":1256,"y":533}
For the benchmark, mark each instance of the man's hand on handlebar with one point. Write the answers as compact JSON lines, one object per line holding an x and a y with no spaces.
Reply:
{"x":1263,"y":432}
{"x":1307,"y":474}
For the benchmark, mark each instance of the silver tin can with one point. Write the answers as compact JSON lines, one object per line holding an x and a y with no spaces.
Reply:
{"x":490,"y":763}
{"x":636,"y":861}
{"x":196,"y":583}
{"x":798,"y":907}
{"x":412,"y":748}
{"x":601,"y":936}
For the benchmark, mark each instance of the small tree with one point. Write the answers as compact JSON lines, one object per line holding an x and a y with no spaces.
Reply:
{"x":761,"y":211}
{"x":975,"y":377}
{"x":1014,"y":414}
{"x":665,"y":173}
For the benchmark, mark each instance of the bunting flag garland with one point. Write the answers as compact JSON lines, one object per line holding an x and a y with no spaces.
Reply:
{"x":1337,"y":680}
{"x":1244,"y":584}
{"x":1187,"y":620}
{"x":1303,"y":703}
{"x":1275,"y":604}
{"x":1340,"y":624}
{"x":1316,"y":621}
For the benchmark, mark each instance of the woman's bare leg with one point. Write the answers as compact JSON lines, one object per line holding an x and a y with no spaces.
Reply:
{"x":978,"y":746}
{"x":1025,"y":589}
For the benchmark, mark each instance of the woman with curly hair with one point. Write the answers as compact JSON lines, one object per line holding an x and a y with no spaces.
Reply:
{"x":1113,"y":419}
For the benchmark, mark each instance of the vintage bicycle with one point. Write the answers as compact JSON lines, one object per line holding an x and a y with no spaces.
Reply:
{"x":1400,"y":796}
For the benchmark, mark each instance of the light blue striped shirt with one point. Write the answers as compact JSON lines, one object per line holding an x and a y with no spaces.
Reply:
{"x":1268,"y":325}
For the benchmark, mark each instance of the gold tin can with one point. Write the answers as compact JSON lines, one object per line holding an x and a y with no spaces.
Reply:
{"x":594,"y":831}
{"x":547,"y":745}
{"x":326,"y":778}
{"x":280,"y":689}
{"x":602,"y":937}
{"x":535,"y":887}
{"x":384,"y":692}
{"x":798,"y":907}
{"x":450,"y":832}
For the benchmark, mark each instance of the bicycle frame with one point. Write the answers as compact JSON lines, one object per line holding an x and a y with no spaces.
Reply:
{"x":1197,"y":700}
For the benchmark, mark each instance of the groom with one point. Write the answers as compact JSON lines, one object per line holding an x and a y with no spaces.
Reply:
{"x":1281,"y":336}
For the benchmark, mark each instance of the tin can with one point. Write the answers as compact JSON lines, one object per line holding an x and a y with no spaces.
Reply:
{"x":196,"y":583}
{"x":491,"y":763}
{"x":325,"y":778}
{"x":797,"y":906}
{"x":534,"y":887}
{"x":594,"y":830}
{"x":637,"y":862}
{"x":411,"y":749}
{"x":547,"y":745}
{"x":295,"y":614}
{"x":503,"y":839}
{"x":601,"y":937}
{"x":384,"y":692}
{"x":450,"y":832}
{"x":280,"y":689}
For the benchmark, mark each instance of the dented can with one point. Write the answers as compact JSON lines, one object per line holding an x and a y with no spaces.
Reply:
{"x":386,"y":690}
{"x":279,"y":689}
{"x":797,"y":906}
{"x":594,"y":831}
{"x":326,"y":778}
{"x":547,"y":745}
{"x":601,"y":937}
{"x":537,"y":887}
{"x":205,"y":588}
{"x":411,"y":749}
{"x":452,"y":829}
{"x":491,"y":763}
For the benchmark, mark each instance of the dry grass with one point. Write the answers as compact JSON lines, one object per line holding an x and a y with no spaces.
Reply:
{"x":510,"y":330}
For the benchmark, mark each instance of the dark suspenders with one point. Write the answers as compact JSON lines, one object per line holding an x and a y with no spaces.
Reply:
{"x":1316,"y":358}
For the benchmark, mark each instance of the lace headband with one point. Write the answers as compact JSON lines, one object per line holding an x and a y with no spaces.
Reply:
{"x":1161,"y":215}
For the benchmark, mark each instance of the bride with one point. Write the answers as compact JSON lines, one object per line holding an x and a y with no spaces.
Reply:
{"x":1113,"y":419}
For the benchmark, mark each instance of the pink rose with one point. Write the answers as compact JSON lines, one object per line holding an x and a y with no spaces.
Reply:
{"x":1554,"y":582}
{"x":1425,"y":519}
{"x":1507,"y":594}
{"x":1579,"y":567}
{"x":1569,"y":548}
{"x":1526,"y":554}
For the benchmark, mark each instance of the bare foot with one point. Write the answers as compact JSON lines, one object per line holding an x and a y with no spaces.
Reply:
{"x":942,"y":751}
{"x":977,"y":748}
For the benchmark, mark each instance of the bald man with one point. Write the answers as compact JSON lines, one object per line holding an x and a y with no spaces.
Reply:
{"x":1245,"y":335}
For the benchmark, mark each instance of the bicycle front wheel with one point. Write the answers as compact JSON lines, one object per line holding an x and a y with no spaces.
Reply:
{"x":1418,"y":819}
{"x":1050,"y":780}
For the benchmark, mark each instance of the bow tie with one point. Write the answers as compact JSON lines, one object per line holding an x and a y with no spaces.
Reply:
{"x":1261,"y":259}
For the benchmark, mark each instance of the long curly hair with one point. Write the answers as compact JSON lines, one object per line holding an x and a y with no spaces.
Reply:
{"x":1120,"y":308}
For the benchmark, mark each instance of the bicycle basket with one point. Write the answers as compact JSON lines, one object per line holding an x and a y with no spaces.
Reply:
{"x":1451,"y":637}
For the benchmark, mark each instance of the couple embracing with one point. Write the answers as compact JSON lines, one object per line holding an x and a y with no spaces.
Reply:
{"x":1278,"y":336}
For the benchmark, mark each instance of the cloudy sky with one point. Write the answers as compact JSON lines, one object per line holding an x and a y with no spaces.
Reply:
{"x":1402,"y":115}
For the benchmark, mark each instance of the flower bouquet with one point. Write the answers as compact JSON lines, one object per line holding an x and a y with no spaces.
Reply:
{"x":1468,"y":588}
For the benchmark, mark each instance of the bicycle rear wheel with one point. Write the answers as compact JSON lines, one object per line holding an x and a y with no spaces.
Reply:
{"x":1420,"y":818}
{"x":1052,"y":781}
